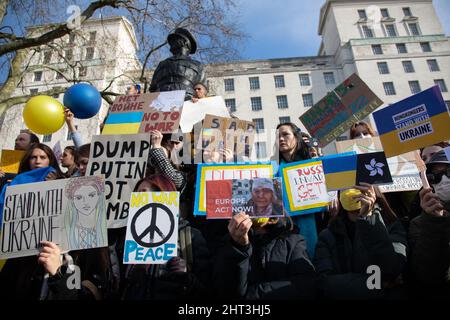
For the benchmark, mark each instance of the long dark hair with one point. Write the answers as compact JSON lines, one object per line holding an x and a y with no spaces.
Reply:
{"x":301,"y":151}
{"x":25,"y":163}
{"x":158,"y":182}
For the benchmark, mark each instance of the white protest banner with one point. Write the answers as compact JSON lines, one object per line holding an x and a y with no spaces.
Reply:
{"x":152,"y":228}
{"x":403,"y":168}
{"x":122,"y":159}
{"x":68,"y":212}
{"x":304,"y":187}
{"x":58,"y":151}
{"x":195,"y":112}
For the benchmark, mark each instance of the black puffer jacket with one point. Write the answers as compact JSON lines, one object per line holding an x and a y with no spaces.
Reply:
{"x":274,"y":265}
{"x":429,"y":263}
{"x":154,"y":282}
{"x":342,"y":263}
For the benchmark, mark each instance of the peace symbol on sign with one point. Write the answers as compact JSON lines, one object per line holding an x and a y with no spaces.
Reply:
{"x":152,"y":208}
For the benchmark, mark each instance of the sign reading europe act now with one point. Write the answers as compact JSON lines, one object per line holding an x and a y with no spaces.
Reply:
{"x":152,"y":228}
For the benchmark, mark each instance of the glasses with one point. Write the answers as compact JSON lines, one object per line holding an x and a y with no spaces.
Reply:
{"x":436,"y":177}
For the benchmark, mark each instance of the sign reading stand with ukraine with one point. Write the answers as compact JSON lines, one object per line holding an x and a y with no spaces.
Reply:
{"x":415,"y":122}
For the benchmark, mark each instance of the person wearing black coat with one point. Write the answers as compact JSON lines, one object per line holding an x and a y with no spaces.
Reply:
{"x":429,"y":235}
{"x":267,"y":261}
{"x":364,"y":233}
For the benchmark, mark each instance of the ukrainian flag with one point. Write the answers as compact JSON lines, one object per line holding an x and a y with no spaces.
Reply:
{"x":340,"y":171}
{"x":123,"y":123}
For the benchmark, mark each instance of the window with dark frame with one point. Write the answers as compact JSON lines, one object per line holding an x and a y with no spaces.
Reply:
{"x":401,"y":48}
{"x":389,"y":88}
{"x":441,"y":84}
{"x":414,"y":86}
{"x":304,"y":80}
{"x":279,"y":81}
{"x":256,"y":103}
{"x":37,"y":76}
{"x":90,"y":53}
{"x":259,"y":124}
{"x":377,"y":49}
{"x":383,"y":68}
{"x":307,"y":100}
{"x":282,"y":102}
{"x":229,"y":85}
{"x":408,"y":66}
{"x":433,"y":65}
{"x":425,"y":46}
{"x":231,"y":104}
{"x":254,"y":83}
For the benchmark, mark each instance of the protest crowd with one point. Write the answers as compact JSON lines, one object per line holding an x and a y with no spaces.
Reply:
{"x":146,"y":211}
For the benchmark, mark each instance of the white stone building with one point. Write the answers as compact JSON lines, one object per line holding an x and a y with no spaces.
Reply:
{"x":397,"y":47}
{"x":101,"y":52}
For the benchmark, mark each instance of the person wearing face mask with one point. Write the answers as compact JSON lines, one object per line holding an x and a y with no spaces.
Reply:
{"x":262,"y":259}
{"x":429,"y":234}
{"x":364,"y":233}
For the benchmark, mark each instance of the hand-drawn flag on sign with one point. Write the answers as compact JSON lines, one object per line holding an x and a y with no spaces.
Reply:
{"x":340,"y":171}
{"x":123,"y":123}
{"x":373,"y":168}
{"x":415,"y":122}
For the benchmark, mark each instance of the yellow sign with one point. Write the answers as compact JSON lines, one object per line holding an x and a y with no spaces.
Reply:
{"x":11,"y":160}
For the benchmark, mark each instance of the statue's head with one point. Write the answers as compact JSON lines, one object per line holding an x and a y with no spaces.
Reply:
{"x":182,"y":40}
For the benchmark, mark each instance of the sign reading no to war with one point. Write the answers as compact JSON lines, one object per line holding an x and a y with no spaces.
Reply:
{"x":152,"y":228}
{"x":348,"y":103}
{"x":68,"y":212}
{"x":304,"y":187}
{"x":415,"y":122}
{"x":122,"y":159}
{"x":142,"y":113}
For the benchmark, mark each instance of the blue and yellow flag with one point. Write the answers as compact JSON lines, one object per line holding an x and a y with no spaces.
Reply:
{"x":340,"y":171}
{"x":123,"y":123}
{"x":415,"y":122}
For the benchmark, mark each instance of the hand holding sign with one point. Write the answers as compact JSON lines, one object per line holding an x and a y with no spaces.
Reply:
{"x":431,"y":203}
{"x":50,"y":257}
{"x":238,"y":227}
{"x":368,"y":197}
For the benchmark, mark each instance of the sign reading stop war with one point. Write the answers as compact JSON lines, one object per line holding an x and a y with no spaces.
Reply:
{"x":67,"y":212}
{"x":348,"y":103}
{"x":304,"y":187}
{"x":122,"y":159}
{"x":152,"y":228}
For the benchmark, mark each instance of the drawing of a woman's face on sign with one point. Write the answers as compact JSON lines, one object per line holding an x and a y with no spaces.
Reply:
{"x":85,"y":220}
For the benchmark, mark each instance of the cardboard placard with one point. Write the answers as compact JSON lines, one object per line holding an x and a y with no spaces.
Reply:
{"x":122,"y":159}
{"x":196,"y":112}
{"x":10,"y":160}
{"x":152,"y":228}
{"x":69,"y":212}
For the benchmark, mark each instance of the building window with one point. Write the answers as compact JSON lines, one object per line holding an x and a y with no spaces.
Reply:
{"x":47,"y":138}
{"x":47,"y":57}
{"x":259,"y":124}
{"x":367,"y":32}
{"x":82,"y":71}
{"x":433,"y":65}
{"x":68,"y":54}
{"x":92,"y":36}
{"x":362,"y":14}
{"x":389,"y":88}
{"x":376,"y":49}
{"x":72,"y":38}
{"x":329,"y":78}
{"x":425,"y":46}
{"x":414,"y":86}
{"x":304,"y":80}
{"x":282,"y":102}
{"x":441,"y":84}
{"x":256,"y":103}
{"x":34,"y":91}
{"x":285,"y":120}
{"x":254,"y":83}
{"x":414,"y":29}
{"x":229,"y":84}
{"x":401,"y":48}
{"x":59,"y":75}
{"x":279,"y":81}
{"x":408,"y":66}
{"x":261,"y":151}
{"x":307,"y":100}
{"x":390,"y":30}
{"x":384,"y":13}
{"x":89,"y":53}
{"x":56,"y":95}
{"x":407,"y":12}
{"x":38,"y":76}
{"x":231,"y":104}
{"x":383,"y":68}
{"x":69,"y":134}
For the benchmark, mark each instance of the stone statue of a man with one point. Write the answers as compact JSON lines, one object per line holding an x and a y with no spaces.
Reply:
{"x":179,"y":72}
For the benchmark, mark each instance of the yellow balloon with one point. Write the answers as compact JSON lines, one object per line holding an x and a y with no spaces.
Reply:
{"x":43,"y":114}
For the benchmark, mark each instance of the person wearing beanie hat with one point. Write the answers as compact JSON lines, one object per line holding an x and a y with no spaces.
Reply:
{"x":264,"y":201}
{"x":429,"y":234}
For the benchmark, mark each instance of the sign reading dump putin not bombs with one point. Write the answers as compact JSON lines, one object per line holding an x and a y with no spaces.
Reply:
{"x":122,"y":159}
{"x":415,"y":122}
{"x":348,"y":103}
{"x":152,"y":228}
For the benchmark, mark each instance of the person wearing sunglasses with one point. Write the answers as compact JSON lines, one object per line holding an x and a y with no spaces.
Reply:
{"x":429,"y":234}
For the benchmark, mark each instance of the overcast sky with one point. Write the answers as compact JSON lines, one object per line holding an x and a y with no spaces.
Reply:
{"x":288,"y":28}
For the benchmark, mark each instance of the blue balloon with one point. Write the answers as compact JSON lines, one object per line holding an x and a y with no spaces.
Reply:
{"x":83,"y":100}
